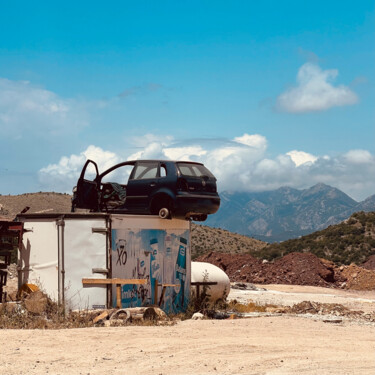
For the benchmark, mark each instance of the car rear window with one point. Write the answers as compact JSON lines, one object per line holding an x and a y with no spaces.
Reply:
{"x":194,"y":170}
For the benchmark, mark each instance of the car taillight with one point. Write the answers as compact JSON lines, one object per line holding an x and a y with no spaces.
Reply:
{"x":183,"y":185}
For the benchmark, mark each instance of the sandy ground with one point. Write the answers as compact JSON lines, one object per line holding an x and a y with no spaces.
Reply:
{"x":260,"y":345}
{"x":267,"y":345}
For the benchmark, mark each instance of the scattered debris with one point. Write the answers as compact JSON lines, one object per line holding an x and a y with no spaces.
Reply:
{"x":331,"y":309}
{"x":213,"y":314}
{"x":36,"y":302}
{"x":119,"y":317}
{"x":197,"y":316}
{"x":101,"y":317}
{"x":332,"y":320}
{"x":246,"y":286}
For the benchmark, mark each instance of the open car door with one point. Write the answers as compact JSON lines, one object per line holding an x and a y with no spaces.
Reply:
{"x":86,"y":193}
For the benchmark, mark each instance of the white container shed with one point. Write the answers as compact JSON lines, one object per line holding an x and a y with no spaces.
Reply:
{"x":59,"y":251}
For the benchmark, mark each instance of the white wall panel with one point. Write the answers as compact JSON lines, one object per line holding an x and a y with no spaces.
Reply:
{"x":83,"y":251}
{"x":39,"y":256}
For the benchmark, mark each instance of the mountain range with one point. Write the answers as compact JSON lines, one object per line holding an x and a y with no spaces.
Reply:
{"x":285,"y":213}
{"x":270,"y":216}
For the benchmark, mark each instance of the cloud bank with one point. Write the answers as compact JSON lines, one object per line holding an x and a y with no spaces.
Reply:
{"x":315,"y":92}
{"x":240,"y":164}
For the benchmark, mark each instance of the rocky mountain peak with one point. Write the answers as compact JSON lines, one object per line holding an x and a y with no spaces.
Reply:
{"x":286,"y":212}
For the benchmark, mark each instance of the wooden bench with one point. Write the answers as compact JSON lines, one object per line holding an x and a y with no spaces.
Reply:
{"x":118,"y":282}
{"x":164,"y":288}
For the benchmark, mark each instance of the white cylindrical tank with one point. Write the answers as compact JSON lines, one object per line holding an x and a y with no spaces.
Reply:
{"x":202,"y":272}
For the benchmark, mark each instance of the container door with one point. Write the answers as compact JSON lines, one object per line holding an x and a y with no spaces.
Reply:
{"x":38,"y":256}
{"x":85,"y":256}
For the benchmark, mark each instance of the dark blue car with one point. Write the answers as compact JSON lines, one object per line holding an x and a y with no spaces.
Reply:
{"x":180,"y":189}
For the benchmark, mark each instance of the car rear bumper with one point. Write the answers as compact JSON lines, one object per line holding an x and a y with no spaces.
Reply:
{"x":187,"y":203}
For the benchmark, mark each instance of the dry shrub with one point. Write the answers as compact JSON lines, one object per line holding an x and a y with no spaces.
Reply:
{"x":16,"y":316}
{"x":249,"y":307}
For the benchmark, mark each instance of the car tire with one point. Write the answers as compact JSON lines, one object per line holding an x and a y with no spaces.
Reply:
{"x":164,"y":213}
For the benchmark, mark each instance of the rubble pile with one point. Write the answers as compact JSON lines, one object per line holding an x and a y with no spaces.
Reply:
{"x":292,"y":269}
{"x":370,"y":263}
{"x":359,"y":278}
{"x":333,"y":309}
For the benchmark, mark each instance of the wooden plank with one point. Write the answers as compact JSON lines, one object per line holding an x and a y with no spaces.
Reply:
{"x":162,"y":295}
{"x":103,"y":315}
{"x":170,"y":285}
{"x":118,"y":295}
{"x":156,"y":291}
{"x":113,"y":281}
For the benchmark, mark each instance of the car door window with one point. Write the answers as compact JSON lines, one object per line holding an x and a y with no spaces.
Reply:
{"x":145,"y":170}
{"x":163,"y":170}
{"x":119,"y":175}
{"x":91,"y":171}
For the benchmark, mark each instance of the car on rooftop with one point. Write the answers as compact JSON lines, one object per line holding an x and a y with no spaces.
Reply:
{"x":181,"y":189}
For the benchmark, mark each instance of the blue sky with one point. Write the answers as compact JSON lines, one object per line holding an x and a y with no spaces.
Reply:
{"x":266,"y":94}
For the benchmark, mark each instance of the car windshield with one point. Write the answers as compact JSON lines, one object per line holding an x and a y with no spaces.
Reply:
{"x":194,"y":170}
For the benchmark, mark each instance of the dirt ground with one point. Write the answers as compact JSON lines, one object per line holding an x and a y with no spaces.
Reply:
{"x":267,"y":345}
{"x":288,"y":295}
{"x":259,"y":345}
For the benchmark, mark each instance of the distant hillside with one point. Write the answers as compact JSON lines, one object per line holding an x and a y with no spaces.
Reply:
{"x":285,"y":213}
{"x":351,"y":241}
{"x":11,"y":205}
{"x":205,"y":239}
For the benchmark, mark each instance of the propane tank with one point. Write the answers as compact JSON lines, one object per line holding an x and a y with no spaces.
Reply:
{"x":201,"y":272}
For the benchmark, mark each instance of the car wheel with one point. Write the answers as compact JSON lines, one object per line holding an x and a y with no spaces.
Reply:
{"x":162,"y":206}
{"x":164,"y":213}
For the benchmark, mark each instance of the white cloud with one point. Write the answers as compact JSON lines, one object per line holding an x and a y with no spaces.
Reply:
{"x":301,"y":157}
{"x":28,"y":109}
{"x":315,"y":92}
{"x":153,"y":150}
{"x":64,"y":175}
{"x":359,"y":157}
{"x":253,"y":140}
{"x":184,"y":153}
{"x":238,"y":166}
